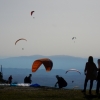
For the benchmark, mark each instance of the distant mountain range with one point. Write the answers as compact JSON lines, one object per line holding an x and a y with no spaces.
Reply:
{"x":59,"y":61}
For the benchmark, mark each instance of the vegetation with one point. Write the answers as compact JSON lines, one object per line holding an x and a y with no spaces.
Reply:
{"x":30,"y":93}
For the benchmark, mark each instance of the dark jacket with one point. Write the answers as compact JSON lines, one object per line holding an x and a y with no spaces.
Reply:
{"x":91,"y":71}
{"x":98,"y":76}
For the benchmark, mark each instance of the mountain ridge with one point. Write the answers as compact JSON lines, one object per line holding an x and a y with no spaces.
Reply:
{"x":59,"y":61}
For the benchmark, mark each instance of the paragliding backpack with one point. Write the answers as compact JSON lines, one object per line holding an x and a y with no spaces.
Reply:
{"x":64,"y":83}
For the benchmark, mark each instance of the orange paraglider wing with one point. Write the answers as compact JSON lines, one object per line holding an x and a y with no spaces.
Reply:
{"x":32,"y":12}
{"x":48,"y":64}
{"x":20,"y":39}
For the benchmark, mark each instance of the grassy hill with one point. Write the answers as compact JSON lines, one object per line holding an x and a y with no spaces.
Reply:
{"x":29,"y":93}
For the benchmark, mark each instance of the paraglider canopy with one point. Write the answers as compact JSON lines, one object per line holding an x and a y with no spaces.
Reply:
{"x":73,"y":70}
{"x":73,"y":38}
{"x":48,"y":64}
{"x":20,"y":39}
{"x":32,"y":12}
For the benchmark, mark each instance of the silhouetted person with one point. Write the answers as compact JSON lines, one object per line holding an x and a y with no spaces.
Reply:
{"x":98,"y":78}
{"x":61,"y":82}
{"x":29,"y":78}
{"x":1,"y":76}
{"x":25,"y":80}
{"x":90,"y":72}
{"x":10,"y":79}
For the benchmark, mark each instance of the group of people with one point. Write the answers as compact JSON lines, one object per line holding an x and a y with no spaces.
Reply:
{"x":5,"y":81}
{"x":92,"y":73}
{"x":27,"y":79}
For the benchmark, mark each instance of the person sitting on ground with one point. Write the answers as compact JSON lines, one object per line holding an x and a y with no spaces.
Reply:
{"x":61,"y":82}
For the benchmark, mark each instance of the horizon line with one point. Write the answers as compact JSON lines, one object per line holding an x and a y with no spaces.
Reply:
{"x":6,"y":57}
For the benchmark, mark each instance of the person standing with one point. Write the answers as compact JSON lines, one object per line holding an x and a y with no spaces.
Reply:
{"x":98,"y":78}
{"x":10,"y":79}
{"x":1,"y":77}
{"x":90,"y":72}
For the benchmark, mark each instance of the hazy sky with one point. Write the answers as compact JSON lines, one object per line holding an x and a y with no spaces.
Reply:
{"x":52,"y":29}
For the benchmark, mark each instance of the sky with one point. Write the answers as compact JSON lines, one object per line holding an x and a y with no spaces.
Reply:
{"x":50,"y":29}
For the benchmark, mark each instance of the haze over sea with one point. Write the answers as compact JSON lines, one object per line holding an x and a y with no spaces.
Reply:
{"x":19,"y":67}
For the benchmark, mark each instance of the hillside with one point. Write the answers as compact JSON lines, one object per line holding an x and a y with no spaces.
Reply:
{"x":30,"y":93}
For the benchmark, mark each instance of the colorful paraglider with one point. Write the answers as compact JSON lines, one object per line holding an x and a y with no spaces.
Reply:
{"x":48,"y":64}
{"x":73,"y":70}
{"x":19,"y":40}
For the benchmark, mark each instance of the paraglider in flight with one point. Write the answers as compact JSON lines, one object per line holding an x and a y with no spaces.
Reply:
{"x":73,"y":38}
{"x":20,"y":39}
{"x":32,"y":12}
{"x":48,"y":64}
{"x":73,"y":70}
